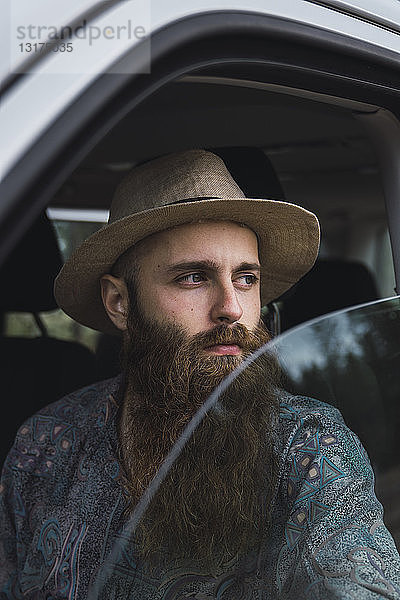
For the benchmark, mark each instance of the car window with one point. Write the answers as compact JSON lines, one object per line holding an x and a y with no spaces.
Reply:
{"x":72,"y":227}
{"x":348,"y":360}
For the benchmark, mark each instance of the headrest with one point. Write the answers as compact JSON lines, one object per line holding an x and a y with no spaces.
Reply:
{"x":28,"y":274}
{"x":332,"y":284}
{"x":253,"y":171}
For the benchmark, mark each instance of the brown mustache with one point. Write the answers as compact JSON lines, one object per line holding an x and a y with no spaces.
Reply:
{"x":237,"y":335}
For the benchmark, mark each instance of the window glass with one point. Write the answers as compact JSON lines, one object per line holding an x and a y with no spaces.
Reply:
{"x":349,"y":360}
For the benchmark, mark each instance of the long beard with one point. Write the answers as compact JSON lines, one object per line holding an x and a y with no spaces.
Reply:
{"x":214,"y":504}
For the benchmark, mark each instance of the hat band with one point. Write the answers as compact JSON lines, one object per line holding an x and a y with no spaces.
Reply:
{"x":193,"y":200}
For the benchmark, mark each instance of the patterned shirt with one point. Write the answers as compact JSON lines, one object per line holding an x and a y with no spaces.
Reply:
{"x":62,"y":504}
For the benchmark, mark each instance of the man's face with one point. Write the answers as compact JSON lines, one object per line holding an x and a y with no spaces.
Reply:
{"x":193,"y":313}
{"x":201,"y":275}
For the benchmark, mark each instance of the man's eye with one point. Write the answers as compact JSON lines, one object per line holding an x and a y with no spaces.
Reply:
{"x":248,"y":279}
{"x":191,"y":278}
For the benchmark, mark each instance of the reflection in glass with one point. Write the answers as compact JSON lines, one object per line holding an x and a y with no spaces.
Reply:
{"x":352,"y":360}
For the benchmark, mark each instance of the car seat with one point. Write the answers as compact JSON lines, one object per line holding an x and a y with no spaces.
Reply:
{"x":332,"y":284}
{"x":35,"y":371}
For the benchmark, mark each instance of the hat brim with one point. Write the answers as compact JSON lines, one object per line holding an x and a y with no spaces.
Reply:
{"x":288,"y":238}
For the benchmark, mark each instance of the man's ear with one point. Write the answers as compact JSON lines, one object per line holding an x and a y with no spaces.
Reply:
{"x":115,"y":299}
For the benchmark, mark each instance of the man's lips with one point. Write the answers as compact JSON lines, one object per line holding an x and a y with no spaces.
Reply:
{"x":224,"y":349}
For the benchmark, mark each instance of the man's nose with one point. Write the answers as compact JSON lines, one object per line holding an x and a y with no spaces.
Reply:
{"x":226,"y":307}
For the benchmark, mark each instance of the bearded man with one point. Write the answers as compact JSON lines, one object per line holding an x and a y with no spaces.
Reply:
{"x":272,"y":497}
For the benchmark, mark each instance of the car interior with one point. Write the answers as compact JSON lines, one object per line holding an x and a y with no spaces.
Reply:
{"x":279,"y":143}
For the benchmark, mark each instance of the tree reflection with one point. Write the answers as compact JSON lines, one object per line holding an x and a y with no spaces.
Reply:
{"x":352,"y":361}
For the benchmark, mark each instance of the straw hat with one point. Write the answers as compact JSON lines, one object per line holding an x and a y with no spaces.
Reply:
{"x":184,"y":188}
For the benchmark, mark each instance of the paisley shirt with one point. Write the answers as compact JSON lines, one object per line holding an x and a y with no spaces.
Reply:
{"x":61,"y":506}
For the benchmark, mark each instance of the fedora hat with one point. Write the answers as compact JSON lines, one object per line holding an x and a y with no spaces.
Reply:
{"x":180,"y":188}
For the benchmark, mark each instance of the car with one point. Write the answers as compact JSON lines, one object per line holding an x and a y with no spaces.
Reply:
{"x":300,"y":97}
